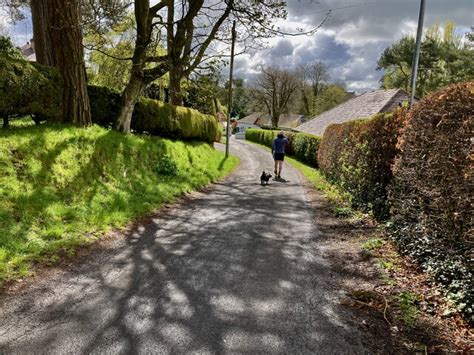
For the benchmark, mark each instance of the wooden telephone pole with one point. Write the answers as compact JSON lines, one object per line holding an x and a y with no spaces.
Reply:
{"x":230,"y":91}
{"x":416,"y":57}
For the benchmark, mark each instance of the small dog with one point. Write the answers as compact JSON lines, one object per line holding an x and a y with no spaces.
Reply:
{"x":264,"y":178}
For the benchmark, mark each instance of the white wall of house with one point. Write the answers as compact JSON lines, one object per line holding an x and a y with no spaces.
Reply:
{"x":242,"y":126}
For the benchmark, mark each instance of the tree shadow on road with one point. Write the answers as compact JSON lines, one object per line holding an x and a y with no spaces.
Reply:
{"x":245,"y":276}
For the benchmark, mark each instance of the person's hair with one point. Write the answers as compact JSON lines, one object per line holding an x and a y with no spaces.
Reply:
{"x":280,"y":134}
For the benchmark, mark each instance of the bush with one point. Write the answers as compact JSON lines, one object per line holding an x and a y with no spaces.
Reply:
{"x":105,"y":105}
{"x":165,"y":120}
{"x":431,"y":193}
{"x":29,"y":89}
{"x":357,"y":156}
{"x":303,"y":146}
{"x":154,"y":117}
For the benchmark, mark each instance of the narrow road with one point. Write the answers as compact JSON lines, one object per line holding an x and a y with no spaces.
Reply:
{"x":234,"y":270}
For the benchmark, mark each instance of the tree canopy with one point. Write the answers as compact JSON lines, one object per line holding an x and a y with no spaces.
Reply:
{"x":445,"y":58}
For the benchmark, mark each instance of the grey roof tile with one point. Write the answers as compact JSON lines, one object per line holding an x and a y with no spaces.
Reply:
{"x":364,"y":105}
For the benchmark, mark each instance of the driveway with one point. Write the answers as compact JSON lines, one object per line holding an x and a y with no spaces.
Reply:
{"x":234,"y":269}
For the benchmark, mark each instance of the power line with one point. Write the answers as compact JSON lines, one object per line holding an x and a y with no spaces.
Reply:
{"x":334,"y":9}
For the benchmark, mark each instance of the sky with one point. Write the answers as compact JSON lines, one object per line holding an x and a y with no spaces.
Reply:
{"x":353,"y":38}
{"x":349,"y":43}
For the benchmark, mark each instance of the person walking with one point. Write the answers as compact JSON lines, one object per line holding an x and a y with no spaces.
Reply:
{"x":278,"y":152}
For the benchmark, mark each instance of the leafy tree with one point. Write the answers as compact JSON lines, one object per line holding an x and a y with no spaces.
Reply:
{"x":241,"y":98}
{"x":331,"y":96}
{"x":444,"y":59}
{"x":8,"y":50}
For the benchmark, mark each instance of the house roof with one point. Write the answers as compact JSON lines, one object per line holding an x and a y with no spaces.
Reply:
{"x":28,"y":50}
{"x":264,"y":119}
{"x":252,"y":118}
{"x":361,"y":106}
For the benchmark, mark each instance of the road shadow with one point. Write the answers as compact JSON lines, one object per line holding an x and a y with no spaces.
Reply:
{"x":235,"y":270}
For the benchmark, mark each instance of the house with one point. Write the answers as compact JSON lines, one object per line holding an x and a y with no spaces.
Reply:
{"x":364,"y":105}
{"x":260,"y":119}
{"x":28,"y":51}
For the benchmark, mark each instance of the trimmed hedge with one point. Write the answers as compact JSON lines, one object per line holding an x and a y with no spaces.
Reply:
{"x":155,"y":117}
{"x":165,"y":120}
{"x":303,"y":146}
{"x":357,"y":156}
{"x":29,"y":89}
{"x":432,"y":190}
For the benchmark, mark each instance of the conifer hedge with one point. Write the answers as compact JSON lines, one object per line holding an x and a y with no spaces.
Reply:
{"x":29,"y":89}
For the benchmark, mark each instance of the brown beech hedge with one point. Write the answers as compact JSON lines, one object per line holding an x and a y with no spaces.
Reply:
{"x":432,"y":189}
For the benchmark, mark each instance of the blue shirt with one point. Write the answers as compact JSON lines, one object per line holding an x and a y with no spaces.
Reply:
{"x":279,"y":145}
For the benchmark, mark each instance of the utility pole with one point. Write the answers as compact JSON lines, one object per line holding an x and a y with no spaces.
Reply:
{"x":230,"y":91}
{"x":416,"y":57}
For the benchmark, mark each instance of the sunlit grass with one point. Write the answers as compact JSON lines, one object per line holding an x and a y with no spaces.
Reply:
{"x":62,"y":187}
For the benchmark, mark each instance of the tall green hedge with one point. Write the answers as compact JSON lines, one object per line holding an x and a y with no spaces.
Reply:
{"x":28,"y":89}
{"x":165,"y":120}
{"x":31,"y":89}
{"x":155,"y":117}
{"x":303,"y":146}
{"x":357,"y":156}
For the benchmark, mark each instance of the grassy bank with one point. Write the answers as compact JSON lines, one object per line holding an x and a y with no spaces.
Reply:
{"x":61,"y":187}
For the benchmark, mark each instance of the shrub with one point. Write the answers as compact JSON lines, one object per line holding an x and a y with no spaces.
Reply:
{"x":29,"y":89}
{"x":154,"y":117}
{"x":165,"y":120}
{"x":303,"y":146}
{"x":105,"y":105}
{"x":357,"y":156}
{"x":431,"y":193}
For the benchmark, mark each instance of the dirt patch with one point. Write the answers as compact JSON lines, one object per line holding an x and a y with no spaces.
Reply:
{"x":386,"y":293}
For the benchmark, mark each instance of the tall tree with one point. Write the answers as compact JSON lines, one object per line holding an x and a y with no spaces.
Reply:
{"x":63,"y":22}
{"x":314,"y":78}
{"x":57,"y":32}
{"x":276,"y":88}
{"x":444,"y":59}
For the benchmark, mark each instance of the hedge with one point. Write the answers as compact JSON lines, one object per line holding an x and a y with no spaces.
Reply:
{"x":357,"y":156}
{"x":303,"y":146}
{"x":432,"y":189}
{"x":28,"y":88}
{"x":155,"y":117}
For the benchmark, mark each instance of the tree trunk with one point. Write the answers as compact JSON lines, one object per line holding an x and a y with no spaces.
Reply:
{"x":66,"y":41}
{"x":175,"y":74}
{"x":275,"y":118}
{"x":130,"y":96}
{"x":6,"y":122}
{"x":41,"y":33}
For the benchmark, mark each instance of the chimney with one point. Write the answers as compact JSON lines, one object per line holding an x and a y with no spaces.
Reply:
{"x":32,"y":43}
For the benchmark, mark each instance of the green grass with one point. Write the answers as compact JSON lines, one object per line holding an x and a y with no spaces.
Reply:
{"x":407,"y":302}
{"x":372,"y":244}
{"x":62,"y":187}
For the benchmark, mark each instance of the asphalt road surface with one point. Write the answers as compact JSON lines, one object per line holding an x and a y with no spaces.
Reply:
{"x":236,"y":269}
